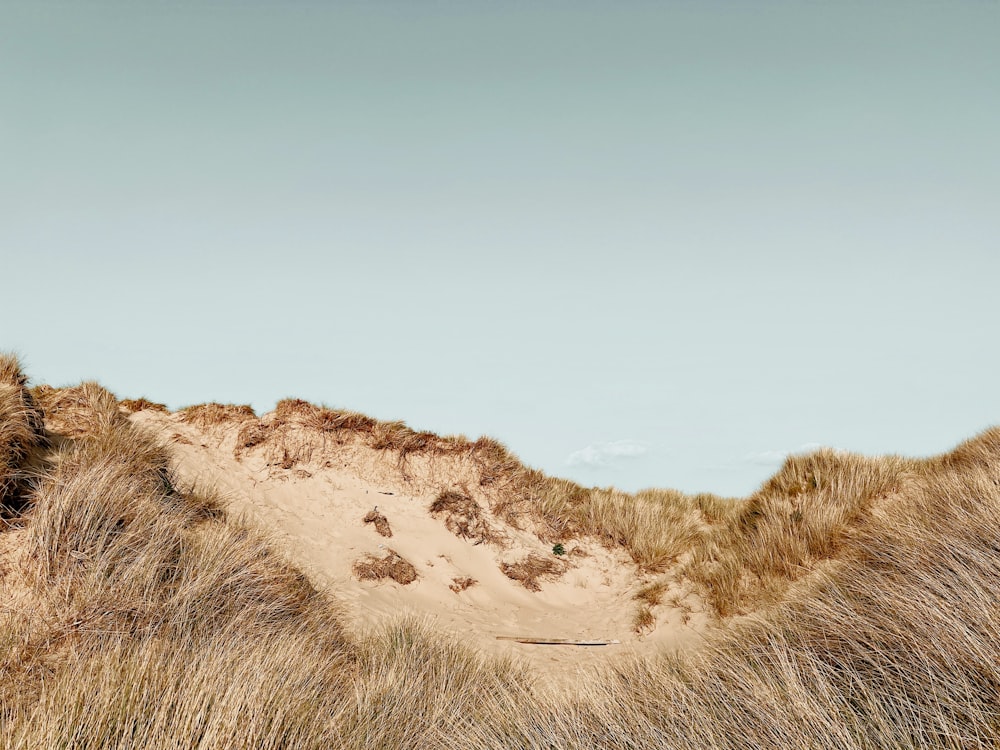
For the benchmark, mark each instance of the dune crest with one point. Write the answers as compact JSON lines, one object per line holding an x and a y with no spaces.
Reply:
{"x":482,"y":568}
{"x":850,"y":602}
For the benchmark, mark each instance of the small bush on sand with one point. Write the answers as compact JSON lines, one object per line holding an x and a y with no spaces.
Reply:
{"x":533,"y":569}
{"x":380,"y":521}
{"x":371,"y":568}
{"x":141,"y":404}
{"x":462,"y":517}
{"x":461,"y":583}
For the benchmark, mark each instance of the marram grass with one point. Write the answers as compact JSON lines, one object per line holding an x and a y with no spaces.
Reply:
{"x":137,"y":616}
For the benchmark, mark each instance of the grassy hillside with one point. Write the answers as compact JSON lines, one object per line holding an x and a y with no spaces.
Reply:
{"x":857,"y":603}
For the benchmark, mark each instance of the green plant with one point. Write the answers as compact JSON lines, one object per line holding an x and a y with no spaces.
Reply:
{"x":558,"y":549}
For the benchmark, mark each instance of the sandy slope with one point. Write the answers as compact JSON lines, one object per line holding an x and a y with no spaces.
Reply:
{"x":314,"y":512}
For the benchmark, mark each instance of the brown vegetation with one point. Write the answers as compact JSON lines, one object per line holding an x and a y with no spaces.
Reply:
{"x":78,"y":411}
{"x":380,"y":521}
{"x":212,"y":414}
{"x":145,"y":619}
{"x":644,"y":619}
{"x":137,"y":616}
{"x":463,"y":517}
{"x":132,"y":405}
{"x":461,"y":583}
{"x":371,"y":568}
{"x":533,"y":569}
{"x":655,"y":526}
{"x":21,"y":432}
{"x":652,"y":594}
{"x":792,"y":526}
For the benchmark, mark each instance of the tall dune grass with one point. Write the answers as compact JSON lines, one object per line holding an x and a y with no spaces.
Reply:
{"x":139,"y":617}
{"x":21,"y":430}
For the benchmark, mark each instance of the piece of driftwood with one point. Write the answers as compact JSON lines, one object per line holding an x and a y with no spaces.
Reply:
{"x":554,"y":641}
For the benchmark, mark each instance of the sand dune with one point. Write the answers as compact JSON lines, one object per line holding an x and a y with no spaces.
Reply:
{"x":851,"y":602}
{"x":314,"y":509}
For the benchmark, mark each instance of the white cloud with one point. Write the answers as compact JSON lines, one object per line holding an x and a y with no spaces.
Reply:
{"x":605,"y":454}
{"x":773,"y":458}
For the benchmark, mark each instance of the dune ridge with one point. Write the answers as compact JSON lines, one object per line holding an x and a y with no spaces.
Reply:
{"x":185,"y":580}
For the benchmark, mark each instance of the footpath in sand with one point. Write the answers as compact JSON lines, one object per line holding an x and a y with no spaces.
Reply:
{"x":310,"y":496}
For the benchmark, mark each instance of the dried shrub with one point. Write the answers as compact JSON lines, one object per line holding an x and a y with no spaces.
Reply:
{"x":417,"y":442}
{"x":462,"y":517}
{"x":209,"y":415}
{"x":294,"y":410}
{"x":371,"y":568}
{"x":252,"y":434}
{"x":141,"y":404}
{"x":532,"y":569}
{"x":380,"y":521}
{"x":461,"y":583}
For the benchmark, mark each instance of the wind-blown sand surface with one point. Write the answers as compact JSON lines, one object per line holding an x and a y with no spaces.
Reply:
{"x":314,"y":509}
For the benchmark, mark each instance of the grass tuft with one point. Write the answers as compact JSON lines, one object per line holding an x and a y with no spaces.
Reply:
{"x":380,"y":521}
{"x":133,"y":405}
{"x":371,"y":568}
{"x":532,"y":570}
{"x":463,"y":517}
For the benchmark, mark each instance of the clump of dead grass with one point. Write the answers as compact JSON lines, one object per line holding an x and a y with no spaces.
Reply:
{"x":371,"y":568}
{"x":652,"y":593}
{"x":79,"y":410}
{"x":214,"y":414}
{"x":532,"y":570}
{"x":21,"y":431}
{"x":252,"y":434}
{"x":463,"y":517}
{"x":133,"y":405}
{"x":643,"y":620}
{"x":380,"y":521}
{"x":461,"y":583}
{"x":328,"y":420}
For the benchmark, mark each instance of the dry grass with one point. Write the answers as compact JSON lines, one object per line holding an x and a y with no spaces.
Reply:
{"x":380,"y":521}
{"x":793,"y":526}
{"x":461,"y":583}
{"x":21,"y":432}
{"x":331,"y":420}
{"x":78,"y":411}
{"x":132,"y":405}
{"x":643,"y":620}
{"x":137,"y":617}
{"x":533,"y":569}
{"x":371,"y":568}
{"x":146,"y":620}
{"x":213,"y":414}
{"x":652,"y":594}
{"x":463,"y":517}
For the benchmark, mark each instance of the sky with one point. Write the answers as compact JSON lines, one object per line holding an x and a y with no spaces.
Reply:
{"x":643,"y":244}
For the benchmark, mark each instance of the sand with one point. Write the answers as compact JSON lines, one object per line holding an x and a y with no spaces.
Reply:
{"x":313,"y":510}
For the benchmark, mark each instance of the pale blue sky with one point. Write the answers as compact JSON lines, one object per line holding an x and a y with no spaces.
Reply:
{"x":641,"y":243}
